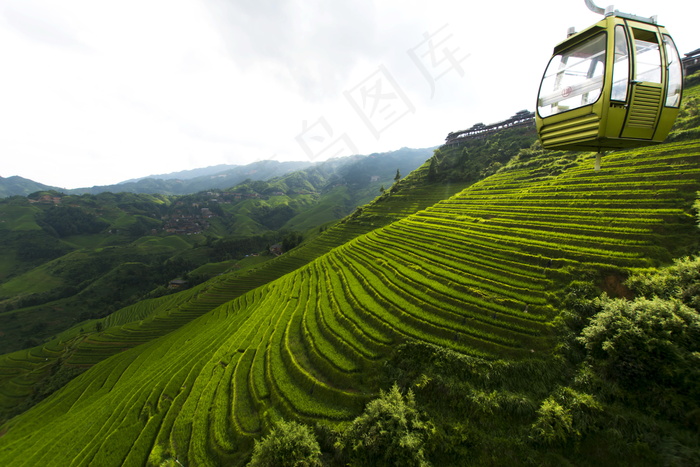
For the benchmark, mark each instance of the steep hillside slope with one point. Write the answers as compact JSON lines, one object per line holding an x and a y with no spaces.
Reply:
{"x":67,"y":258}
{"x":28,"y":376}
{"x":481,"y":273}
{"x":64,"y":259}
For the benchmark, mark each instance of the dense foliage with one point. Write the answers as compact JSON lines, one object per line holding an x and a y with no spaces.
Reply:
{"x":479,"y":157}
{"x":289,"y":444}
{"x":650,"y":346}
{"x":645,"y":342}
{"x":633,"y":400}
{"x":391,"y":431}
{"x":68,"y":220}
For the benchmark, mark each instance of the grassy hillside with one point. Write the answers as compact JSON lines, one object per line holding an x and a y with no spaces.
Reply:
{"x":482,"y":273}
{"x":471,"y":295}
{"x":150,"y":319}
{"x":68,"y":258}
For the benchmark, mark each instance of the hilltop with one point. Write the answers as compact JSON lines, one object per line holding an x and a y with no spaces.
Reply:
{"x":511,"y":304}
{"x":15,"y":185}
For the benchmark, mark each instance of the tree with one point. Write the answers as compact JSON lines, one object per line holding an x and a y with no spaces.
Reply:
{"x":680,"y":280}
{"x":653,"y":340}
{"x":432,"y":170}
{"x":644,"y":342}
{"x":68,"y":220}
{"x":390,"y":432}
{"x":398,"y":176}
{"x":289,"y":444}
{"x":566,"y":415}
{"x":291,"y":240}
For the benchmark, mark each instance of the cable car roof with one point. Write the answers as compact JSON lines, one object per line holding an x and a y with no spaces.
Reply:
{"x":602,"y":26}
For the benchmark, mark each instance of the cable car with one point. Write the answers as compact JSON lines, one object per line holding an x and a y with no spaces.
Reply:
{"x":617,"y":84}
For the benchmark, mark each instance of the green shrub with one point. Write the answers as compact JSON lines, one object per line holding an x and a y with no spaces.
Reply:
{"x":681,"y":280}
{"x":554,"y":423}
{"x":391,"y":431}
{"x":288,"y":444}
{"x":643,"y":342}
{"x":566,"y":416}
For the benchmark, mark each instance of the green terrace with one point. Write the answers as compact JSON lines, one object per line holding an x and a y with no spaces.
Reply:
{"x":200,"y":374}
{"x":152,"y":318}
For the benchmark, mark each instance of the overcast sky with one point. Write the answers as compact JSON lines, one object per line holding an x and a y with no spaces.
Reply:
{"x":94,"y":92}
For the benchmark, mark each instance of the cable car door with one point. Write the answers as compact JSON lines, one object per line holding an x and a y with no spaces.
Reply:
{"x":646,"y":85}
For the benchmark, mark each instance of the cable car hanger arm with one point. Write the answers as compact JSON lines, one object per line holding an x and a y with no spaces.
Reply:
{"x":610,"y":11}
{"x":596,"y":9}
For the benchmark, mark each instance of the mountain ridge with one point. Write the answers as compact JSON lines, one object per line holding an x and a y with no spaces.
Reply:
{"x":20,"y":186}
{"x":187,"y":181}
{"x":187,"y":174}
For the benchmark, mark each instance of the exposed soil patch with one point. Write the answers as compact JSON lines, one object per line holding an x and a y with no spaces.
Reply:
{"x":613,"y":285}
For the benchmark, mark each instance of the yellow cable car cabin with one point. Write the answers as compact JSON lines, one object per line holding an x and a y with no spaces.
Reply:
{"x":617,"y":84}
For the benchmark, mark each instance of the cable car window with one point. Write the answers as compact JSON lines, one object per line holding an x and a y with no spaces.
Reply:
{"x":675,"y":73}
{"x":573,"y":78}
{"x":648,"y":60}
{"x":621,"y":67}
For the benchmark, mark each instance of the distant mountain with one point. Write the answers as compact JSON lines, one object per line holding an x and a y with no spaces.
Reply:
{"x":15,"y":185}
{"x":192,"y":181}
{"x":221,"y":177}
{"x":187,"y":174}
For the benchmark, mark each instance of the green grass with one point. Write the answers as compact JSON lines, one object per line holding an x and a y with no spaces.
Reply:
{"x":239,"y":266}
{"x":173,"y":242}
{"x":18,"y":218}
{"x":304,"y":336}
{"x":35,"y":281}
{"x":93,"y":241}
{"x":150,"y":319}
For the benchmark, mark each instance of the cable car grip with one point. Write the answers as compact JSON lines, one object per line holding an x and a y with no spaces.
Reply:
{"x":601,"y":11}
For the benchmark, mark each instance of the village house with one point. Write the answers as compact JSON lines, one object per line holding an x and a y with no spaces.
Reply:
{"x":177,"y":284}
{"x":47,"y":199}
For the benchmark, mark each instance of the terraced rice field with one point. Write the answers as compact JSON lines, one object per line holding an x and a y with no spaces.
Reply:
{"x":480,"y":272}
{"x":150,"y":319}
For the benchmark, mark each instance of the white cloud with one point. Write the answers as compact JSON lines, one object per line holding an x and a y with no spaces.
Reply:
{"x":98,"y":92}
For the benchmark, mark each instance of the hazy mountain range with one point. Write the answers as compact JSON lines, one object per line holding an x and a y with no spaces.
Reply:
{"x":214,"y":177}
